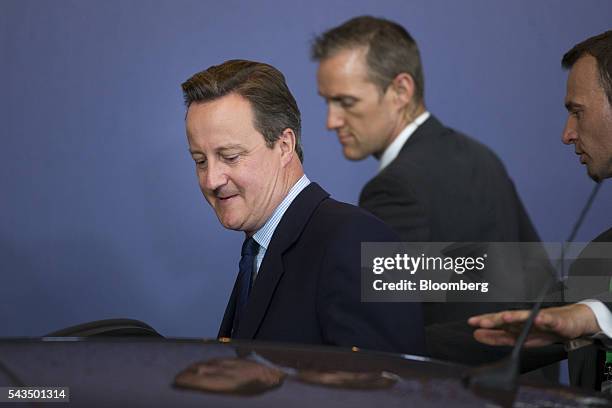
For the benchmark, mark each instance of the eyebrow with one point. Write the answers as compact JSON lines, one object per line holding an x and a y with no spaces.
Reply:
{"x":338,"y":98}
{"x":233,"y":146}
{"x":225,"y":148}
{"x":569,"y":105}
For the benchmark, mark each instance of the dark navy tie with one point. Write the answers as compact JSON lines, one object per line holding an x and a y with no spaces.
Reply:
{"x":245,"y":278}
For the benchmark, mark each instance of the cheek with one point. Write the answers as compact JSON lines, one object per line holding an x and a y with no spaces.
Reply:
{"x":201,"y":176}
{"x":201,"y":183}
{"x":256,"y":177}
{"x":377,"y":126}
{"x":380,"y":116}
{"x":251,"y":183}
{"x":363,"y":124}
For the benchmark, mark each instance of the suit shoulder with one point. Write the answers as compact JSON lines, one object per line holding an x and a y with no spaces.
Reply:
{"x":343,"y":219}
{"x":452,"y":142}
{"x":476,"y":146}
{"x":444,"y":152}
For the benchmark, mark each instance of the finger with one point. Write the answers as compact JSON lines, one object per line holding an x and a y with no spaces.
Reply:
{"x":477,"y":320}
{"x":515,"y":316}
{"x":548,"y":321}
{"x":493,"y":320}
{"x":474,"y":320}
{"x":504,"y":319}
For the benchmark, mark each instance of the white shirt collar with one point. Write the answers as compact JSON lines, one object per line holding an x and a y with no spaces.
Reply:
{"x":264,"y":235}
{"x":394,"y":148}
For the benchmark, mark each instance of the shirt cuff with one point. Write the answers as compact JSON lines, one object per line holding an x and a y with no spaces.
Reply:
{"x":602,"y":315}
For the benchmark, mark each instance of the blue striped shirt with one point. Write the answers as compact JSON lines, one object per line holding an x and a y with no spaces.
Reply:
{"x":264,"y":234}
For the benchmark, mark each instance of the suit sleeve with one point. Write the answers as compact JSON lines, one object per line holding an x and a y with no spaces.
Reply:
{"x":527,"y":232}
{"x":347,"y":321}
{"x":392,"y":200}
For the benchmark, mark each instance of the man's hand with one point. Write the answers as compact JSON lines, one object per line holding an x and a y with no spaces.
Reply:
{"x":551,"y":325}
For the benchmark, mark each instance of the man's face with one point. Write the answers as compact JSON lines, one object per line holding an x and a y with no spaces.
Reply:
{"x":365,"y":120}
{"x":589,"y":124}
{"x":238,"y":174}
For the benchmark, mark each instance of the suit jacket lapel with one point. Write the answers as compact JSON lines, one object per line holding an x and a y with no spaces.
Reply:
{"x":271,"y":270}
{"x":228,"y":317}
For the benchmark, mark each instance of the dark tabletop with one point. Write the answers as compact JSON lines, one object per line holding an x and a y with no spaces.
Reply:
{"x":141,"y":372}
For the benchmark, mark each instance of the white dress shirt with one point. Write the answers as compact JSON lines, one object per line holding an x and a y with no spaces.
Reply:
{"x":394,"y":148}
{"x":602,"y":314}
{"x":263,"y":236}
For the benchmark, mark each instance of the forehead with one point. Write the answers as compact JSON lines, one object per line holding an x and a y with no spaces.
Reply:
{"x":583,"y":80}
{"x":226,"y":120}
{"x":345,"y":69}
{"x":220,"y":111}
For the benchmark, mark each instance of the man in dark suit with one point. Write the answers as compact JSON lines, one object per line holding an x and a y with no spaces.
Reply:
{"x":434,"y":184}
{"x":299,"y":278}
{"x":589,"y":128}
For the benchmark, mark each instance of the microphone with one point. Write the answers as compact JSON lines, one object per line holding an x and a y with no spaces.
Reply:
{"x":498,"y":381}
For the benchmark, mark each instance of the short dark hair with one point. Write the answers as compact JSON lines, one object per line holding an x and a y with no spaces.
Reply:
{"x":599,"y":47}
{"x":391,"y":50}
{"x":264,"y":86}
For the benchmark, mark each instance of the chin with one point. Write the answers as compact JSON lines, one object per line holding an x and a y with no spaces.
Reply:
{"x":354,"y":155}
{"x":595,"y":175}
{"x":234,"y":227}
{"x":229,"y":223}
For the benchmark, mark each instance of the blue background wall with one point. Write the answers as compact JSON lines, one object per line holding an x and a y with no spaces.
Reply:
{"x":100,"y":212}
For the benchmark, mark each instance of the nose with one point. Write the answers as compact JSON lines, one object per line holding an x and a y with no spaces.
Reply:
{"x":570,"y":135}
{"x":214,"y":176}
{"x":335,"y":119}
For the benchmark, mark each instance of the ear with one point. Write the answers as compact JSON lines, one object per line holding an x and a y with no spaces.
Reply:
{"x":286,"y":143}
{"x":403,"y":89}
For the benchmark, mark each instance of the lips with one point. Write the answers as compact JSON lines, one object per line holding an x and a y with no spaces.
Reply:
{"x":583,"y":158}
{"x":344,"y":137}
{"x":581,"y":155}
{"x":226,"y":199}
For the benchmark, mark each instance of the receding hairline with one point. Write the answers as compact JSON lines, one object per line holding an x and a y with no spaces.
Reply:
{"x":233,"y":92}
{"x":361,"y":52}
{"x":368,"y":74}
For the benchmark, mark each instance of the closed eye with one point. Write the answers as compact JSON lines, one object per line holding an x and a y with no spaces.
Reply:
{"x":200,"y":161}
{"x":231,"y":159}
{"x":574,"y":109}
{"x":576,"y":113}
{"x":345,"y":102}
{"x":348,"y":102}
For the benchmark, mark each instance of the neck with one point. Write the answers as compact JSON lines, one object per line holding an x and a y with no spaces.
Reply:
{"x":408,"y":116}
{"x":285,"y":182}
{"x":293,"y":175}
{"x":412,"y":112}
